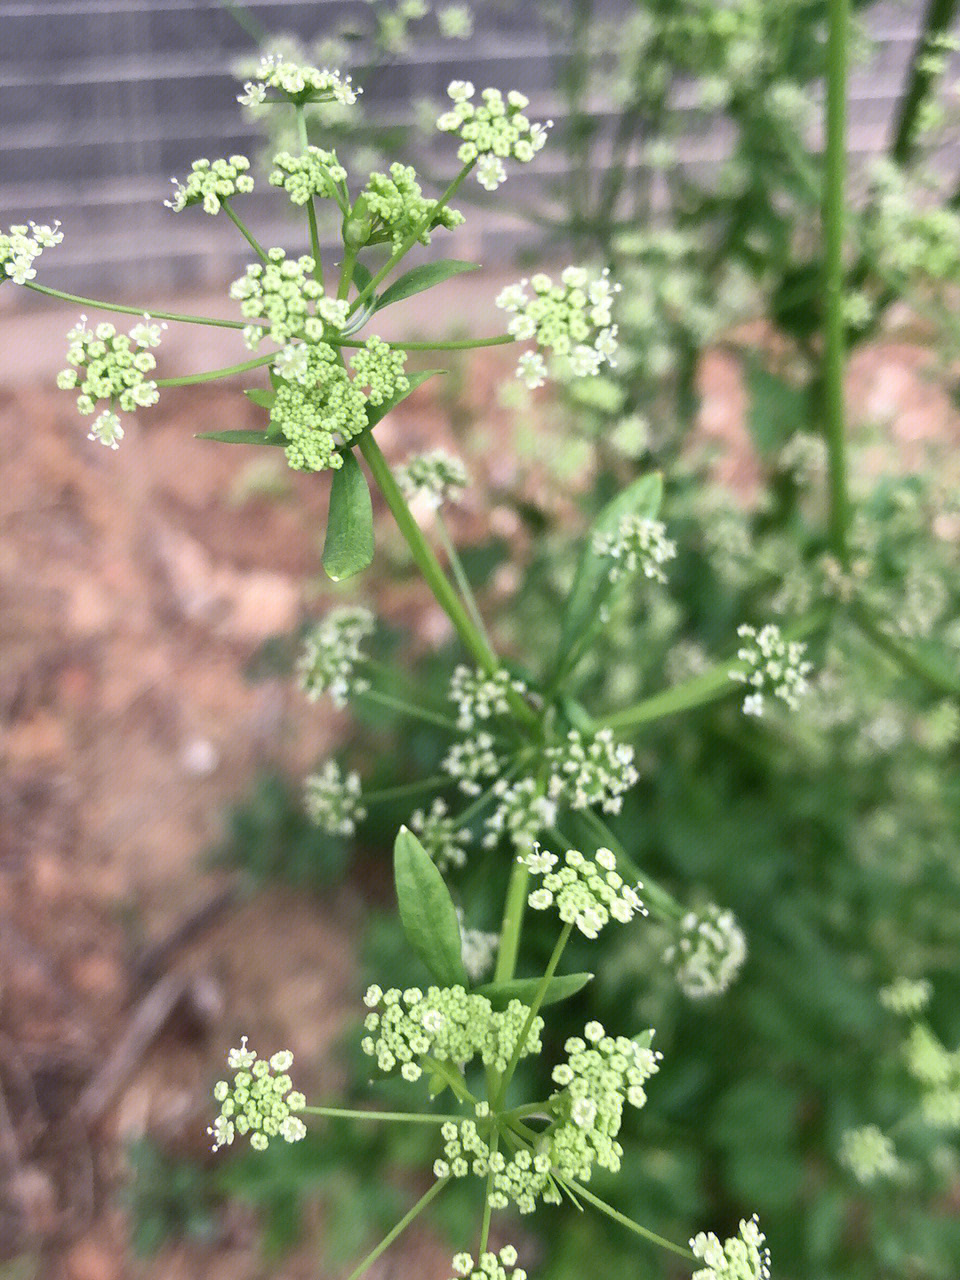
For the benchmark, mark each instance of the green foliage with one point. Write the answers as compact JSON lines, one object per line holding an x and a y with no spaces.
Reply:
{"x":427,"y":913}
{"x":169,"y":1199}
{"x":348,"y":545}
{"x":422,"y":277}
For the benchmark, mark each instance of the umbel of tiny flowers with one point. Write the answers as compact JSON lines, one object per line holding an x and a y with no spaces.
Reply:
{"x":521,"y":813}
{"x":637,"y":544}
{"x":480,"y":696}
{"x":333,"y":799}
{"x":260,"y":1102}
{"x":21,"y":246}
{"x":591,"y":771}
{"x":493,"y":132}
{"x":284,"y":292}
{"x":331,"y":652}
{"x":210,"y":183}
{"x":906,"y":996}
{"x":489,"y":1266}
{"x":441,"y":835}
{"x":774,"y":666}
{"x":741,"y":1257}
{"x":572,"y":320}
{"x":471,"y":760}
{"x":314,"y":173}
{"x":708,"y":952}
{"x":276,"y":80}
{"x":395,"y":208}
{"x":869,"y":1154}
{"x":106,"y":365}
{"x":434,"y":478}
{"x":589,"y":892}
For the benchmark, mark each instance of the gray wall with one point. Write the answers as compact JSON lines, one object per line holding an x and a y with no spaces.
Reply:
{"x":102,"y":100}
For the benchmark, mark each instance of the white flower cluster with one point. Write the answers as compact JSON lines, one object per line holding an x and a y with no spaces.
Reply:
{"x":708,"y":952}
{"x":296,"y":83}
{"x":470,"y":760}
{"x":489,"y":1266}
{"x":906,"y":996}
{"x":571,"y":319}
{"x":434,"y":478}
{"x":284,"y":293}
{"x":521,"y":1179}
{"x":331,"y":652}
{"x":442,"y":836}
{"x":638,"y":543}
{"x":111,"y":366}
{"x":522,"y":811}
{"x":742,"y":1257}
{"x":592,"y":771}
{"x":480,"y":696}
{"x":774,"y":666}
{"x":937,"y":1070}
{"x":446,"y":1024}
{"x":478,"y":950}
{"x":260,"y":1102}
{"x":869,"y":1154}
{"x":21,"y":246}
{"x":493,"y":132}
{"x":210,"y":183}
{"x":314,"y":173}
{"x":333,"y":800}
{"x":588,"y":891}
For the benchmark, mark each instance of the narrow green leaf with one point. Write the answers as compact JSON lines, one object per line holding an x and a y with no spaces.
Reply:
{"x":238,"y":437}
{"x":591,"y":582}
{"x":348,"y":547}
{"x":423,"y":277}
{"x":525,"y":989}
{"x":261,"y":396}
{"x":376,"y":412}
{"x":361,"y":276}
{"x":427,"y":913}
{"x":777,"y":409}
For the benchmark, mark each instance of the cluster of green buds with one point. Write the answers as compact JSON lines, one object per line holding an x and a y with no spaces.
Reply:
{"x":572,"y":320}
{"x":493,"y":132}
{"x":773,"y":666}
{"x":392,"y":208}
{"x":333,"y":799}
{"x":433,"y":478}
{"x":596,"y":770}
{"x":104,"y":365}
{"x":260,"y":1102}
{"x":446,"y":1024}
{"x":210,"y":183}
{"x":708,"y":951}
{"x":637,"y":544}
{"x":314,"y":173}
{"x":21,"y":246}
{"x":588,"y":892}
{"x":278,"y":80}
{"x":489,"y":1266}
{"x":331,"y":652}
{"x":741,"y":1257}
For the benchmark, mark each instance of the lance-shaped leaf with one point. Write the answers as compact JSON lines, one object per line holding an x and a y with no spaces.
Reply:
{"x":591,"y":583}
{"x":348,"y":547}
{"x":525,"y":989}
{"x":423,"y":277}
{"x":427,"y":913}
{"x":240,"y":437}
{"x":261,"y":396}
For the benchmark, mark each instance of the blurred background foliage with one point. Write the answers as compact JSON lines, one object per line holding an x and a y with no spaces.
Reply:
{"x":833,"y":832}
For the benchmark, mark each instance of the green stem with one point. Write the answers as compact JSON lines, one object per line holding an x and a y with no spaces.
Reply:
{"x":407,"y":244}
{"x":453,"y":1078}
{"x":398,"y":1230}
{"x":430,"y":567}
{"x":247,"y":234}
{"x":834,"y":351}
{"x":534,"y":1009}
{"x":410,"y":1117}
{"x":487,"y":1206}
{"x":513,"y":912}
{"x":459,"y":573}
{"x":176,"y":316}
{"x":662,"y":904}
{"x":311,"y":207}
{"x":405,"y":789}
{"x":938,"y":19}
{"x":910,"y":657}
{"x":408,"y":709}
{"x":699,"y":690}
{"x":624,"y":1221}
{"x":456,"y":344}
{"x":211,"y":375}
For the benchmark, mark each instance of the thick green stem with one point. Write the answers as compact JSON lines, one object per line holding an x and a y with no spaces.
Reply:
{"x":398,"y":1230}
{"x":513,"y":912}
{"x":176,"y":316}
{"x":409,"y":1117}
{"x":244,"y":230}
{"x":624,"y":1221}
{"x":534,"y":1009}
{"x":834,"y":207}
{"x":459,"y":573}
{"x":487,"y":1206}
{"x":188,"y":379}
{"x":938,"y":19}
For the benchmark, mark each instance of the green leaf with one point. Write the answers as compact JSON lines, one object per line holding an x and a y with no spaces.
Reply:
{"x":376,"y":412}
{"x":261,"y":396}
{"x":591,"y":583}
{"x":777,"y":409}
{"x":423,"y":277}
{"x":427,"y":913}
{"x":348,"y":547}
{"x":361,"y":276}
{"x":238,"y":437}
{"x":525,"y":989}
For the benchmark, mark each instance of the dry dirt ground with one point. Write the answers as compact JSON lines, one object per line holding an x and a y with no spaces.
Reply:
{"x":134,"y":586}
